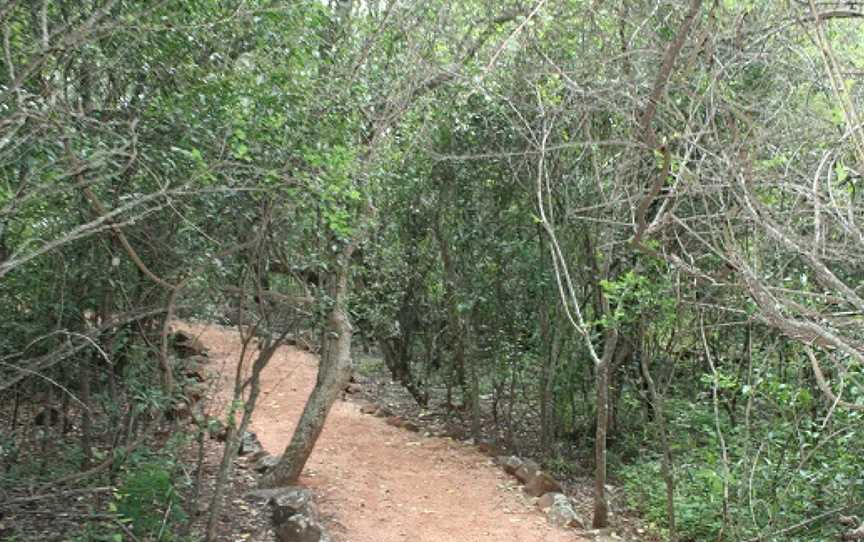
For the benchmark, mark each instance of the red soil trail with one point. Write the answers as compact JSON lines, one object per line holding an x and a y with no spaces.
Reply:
{"x":377,"y":483}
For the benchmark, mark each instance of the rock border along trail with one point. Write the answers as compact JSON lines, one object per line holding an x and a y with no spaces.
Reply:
{"x":378,"y":483}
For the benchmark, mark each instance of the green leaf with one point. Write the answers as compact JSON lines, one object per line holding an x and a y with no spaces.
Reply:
{"x":842,"y":172}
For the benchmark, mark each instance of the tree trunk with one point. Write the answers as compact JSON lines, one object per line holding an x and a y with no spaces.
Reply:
{"x":601,"y":506}
{"x":235,"y":433}
{"x":551,"y":334}
{"x":475,"y":401}
{"x":458,"y":329}
{"x":86,"y":421}
{"x":334,"y":371}
{"x":622,"y":352}
{"x":397,"y":358}
{"x":666,"y":466}
{"x":511,"y":396}
{"x":397,"y":350}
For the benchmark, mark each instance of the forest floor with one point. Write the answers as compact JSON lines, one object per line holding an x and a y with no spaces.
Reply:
{"x":377,"y":483}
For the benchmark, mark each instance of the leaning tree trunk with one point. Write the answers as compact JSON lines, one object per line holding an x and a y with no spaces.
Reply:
{"x":235,"y":433}
{"x":334,"y":371}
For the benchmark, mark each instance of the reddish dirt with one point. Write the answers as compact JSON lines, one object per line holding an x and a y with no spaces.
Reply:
{"x":377,"y":483}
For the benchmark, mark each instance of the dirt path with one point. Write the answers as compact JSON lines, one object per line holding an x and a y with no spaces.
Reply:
{"x":376,"y":483}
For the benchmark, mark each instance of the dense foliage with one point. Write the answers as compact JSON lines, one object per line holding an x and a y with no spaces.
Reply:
{"x":623,"y":233}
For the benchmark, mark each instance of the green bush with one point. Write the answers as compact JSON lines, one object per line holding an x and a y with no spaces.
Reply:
{"x":783,"y":470}
{"x":148,"y":500}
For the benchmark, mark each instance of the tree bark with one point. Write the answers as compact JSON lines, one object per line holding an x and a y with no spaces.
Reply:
{"x":397,"y":358}
{"x":86,"y":421}
{"x":552,"y":334}
{"x":623,"y":351}
{"x":601,"y":505}
{"x":397,"y":349}
{"x":334,"y":372}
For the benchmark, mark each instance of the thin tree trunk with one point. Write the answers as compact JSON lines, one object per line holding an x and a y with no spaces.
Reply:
{"x":621,"y":353}
{"x":545,"y":376}
{"x":475,"y":400}
{"x":397,"y":350}
{"x":553,"y":336}
{"x":13,"y":422}
{"x":86,"y":424}
{"x":717,"y":425}
{"x":200,"y":439}
{"x":601,"y":505}
{"x":511,"y":396}
{"x":397,"y":358}
{"x":666,"y":466}
{"x":470,"y":390}
{"x":235,"y":433}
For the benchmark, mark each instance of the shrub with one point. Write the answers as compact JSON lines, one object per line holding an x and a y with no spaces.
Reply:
{"x":148,"y":500}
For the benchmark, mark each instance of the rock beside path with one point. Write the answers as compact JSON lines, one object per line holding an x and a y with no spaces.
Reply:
{"x":511,"y":464}
{"x":559,"y":511}
{"x":369,"y":409}
{"x":293,"y":513}
{"x":250,"y":445}
{"x":186,"y":345}
{"x":266,"y":464}
{"x":542,"y":483}
{"x":527,"y":471}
